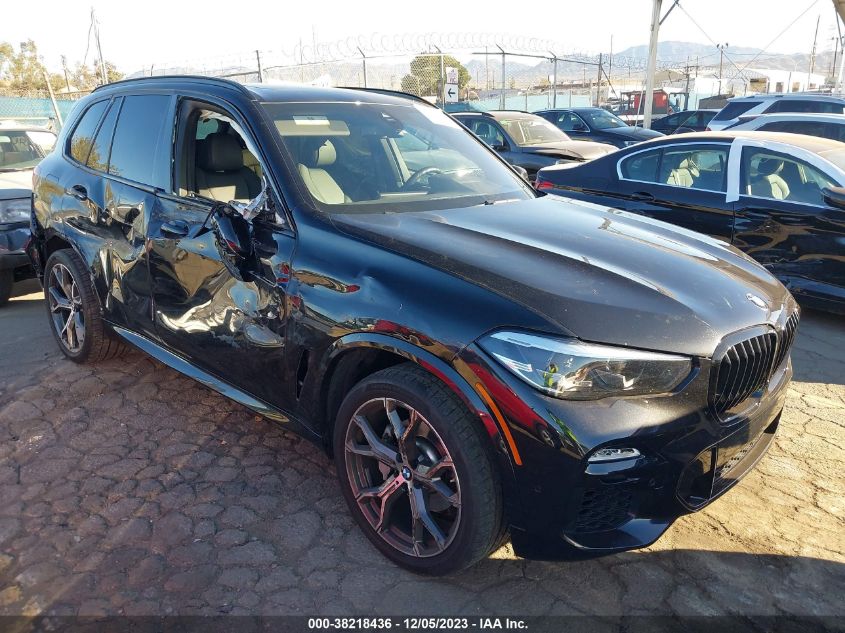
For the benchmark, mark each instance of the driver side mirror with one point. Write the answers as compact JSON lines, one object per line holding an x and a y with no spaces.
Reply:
{"x":500,"y":147}
{"x":523,"y":173}
{"x":233,"y":233}
{"x":834,"y":197}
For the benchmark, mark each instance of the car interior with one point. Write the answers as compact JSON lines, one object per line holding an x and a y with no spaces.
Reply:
{"x":217,"y":163}
{"x":15,"y":149}
{"x":777,"y":177}
{"x":704,"y":169}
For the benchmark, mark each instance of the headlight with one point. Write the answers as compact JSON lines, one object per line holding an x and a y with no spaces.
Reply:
{"x":574,"y":370}
{"x":16,"y":210}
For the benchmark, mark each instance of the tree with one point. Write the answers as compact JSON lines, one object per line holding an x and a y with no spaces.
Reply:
{"x":426,"y":75}
{"x":24,"y":71}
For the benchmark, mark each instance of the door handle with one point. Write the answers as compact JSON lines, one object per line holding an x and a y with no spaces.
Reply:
{"x":79,"y":192}
{"x":642,"y":196}
{"x":179,"y":228}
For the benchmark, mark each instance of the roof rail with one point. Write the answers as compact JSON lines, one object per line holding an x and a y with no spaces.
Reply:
{"x":203,"y":78}
{"x":390,"y":93}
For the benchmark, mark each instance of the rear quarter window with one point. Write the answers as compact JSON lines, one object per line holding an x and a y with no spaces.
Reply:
{"x":641,"y":166}
{"x":83,"y":136}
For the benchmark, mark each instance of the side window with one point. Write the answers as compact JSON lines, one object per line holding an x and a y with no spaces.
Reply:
{"x":98,"y":158}
{"x":776,"y":176}
{"x":214,"y":159}
{"x":566,"y":122}
{"x":695,"y":167}
{"x":812,"y":128}
{"x":831,"y":108}
{"x":141,"y":147}
{"x":83,"y":136}
{"x":642,"y":166}
{"x":487,"y":132}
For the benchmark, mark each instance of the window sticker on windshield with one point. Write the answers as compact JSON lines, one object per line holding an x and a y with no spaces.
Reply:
{"x":310,"y":119}
{"x":435,"y":115}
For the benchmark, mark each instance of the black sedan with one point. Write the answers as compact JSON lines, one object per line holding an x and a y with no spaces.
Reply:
{"x":778,"y":197}
{"x":686,"y":121}
{"x":529,"y":141}
{"x":596,"y":124}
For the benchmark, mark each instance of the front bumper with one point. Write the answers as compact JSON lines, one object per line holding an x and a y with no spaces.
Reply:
{"x":687,"y":458}
{"x":13,"y":238}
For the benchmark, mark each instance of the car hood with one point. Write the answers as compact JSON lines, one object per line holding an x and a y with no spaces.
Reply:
{"x":577,"y":150}
{"x":632,"y":133}
{"x":600,"y":274}
{"x":15,"y":184}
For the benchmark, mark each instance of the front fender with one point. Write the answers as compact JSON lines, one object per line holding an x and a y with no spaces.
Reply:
{"x":449,"y":376}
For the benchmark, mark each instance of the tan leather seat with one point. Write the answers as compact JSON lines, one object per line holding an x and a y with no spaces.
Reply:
{"x":684,"y":174}
{"x":220,"y":173}
{"x":768,"y":183}
{"x":314,"y":157}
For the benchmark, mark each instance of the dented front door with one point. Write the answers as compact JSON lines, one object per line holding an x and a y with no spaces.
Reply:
{"x":227,"y":321}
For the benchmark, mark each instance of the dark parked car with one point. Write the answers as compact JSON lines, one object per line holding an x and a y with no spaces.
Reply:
{"x":776,"y":196}
{"x":596,"y":124}
{"x":529,"y":141}
{"x":686,"y":121}
{"x":21,"y":148}
{"x":479,"y":359}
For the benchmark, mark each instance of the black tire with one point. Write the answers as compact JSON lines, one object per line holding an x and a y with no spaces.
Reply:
{"x":480,"y":528}
{"x":6,"y":281}
{"x":97,"y":344}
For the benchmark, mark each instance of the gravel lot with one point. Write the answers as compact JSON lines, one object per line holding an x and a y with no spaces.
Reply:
{"x":128,"y":489}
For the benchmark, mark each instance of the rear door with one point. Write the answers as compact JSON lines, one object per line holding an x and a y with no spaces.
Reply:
{"x":783,"y":222}
{"x":683,"y":184}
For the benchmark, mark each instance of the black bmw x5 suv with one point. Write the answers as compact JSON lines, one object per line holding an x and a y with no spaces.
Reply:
{"x":481,"y":360}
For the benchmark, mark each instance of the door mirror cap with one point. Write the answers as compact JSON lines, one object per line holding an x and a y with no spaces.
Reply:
{"x":834,"y":197}
{"x":500,"y":148}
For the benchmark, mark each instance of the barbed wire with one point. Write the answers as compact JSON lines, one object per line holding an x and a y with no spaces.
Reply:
{"x":377,"y":45}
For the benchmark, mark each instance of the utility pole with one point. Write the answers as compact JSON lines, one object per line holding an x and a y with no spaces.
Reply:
{"x":721,"y":48}
{"x":652,"y":63}
{"x":258,"y":61}
{"x":686,"y":90}
{"x":503,"y":100}
{"x":64,"y":69}
{"x":103,"y":73}
{"x":813,"y":54}
{"x":52,"y":97}
{"x":598,"y":83}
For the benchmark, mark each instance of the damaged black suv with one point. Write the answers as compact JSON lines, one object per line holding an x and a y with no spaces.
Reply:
{"x":482,"y":361}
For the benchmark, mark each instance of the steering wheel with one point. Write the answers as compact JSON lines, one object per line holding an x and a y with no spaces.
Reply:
{"x":417,"y":175}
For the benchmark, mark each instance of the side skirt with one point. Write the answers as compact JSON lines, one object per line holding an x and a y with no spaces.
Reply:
{"x":212,"y":382}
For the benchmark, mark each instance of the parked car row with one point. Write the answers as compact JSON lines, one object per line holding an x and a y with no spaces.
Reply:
{"x":480,"y":359}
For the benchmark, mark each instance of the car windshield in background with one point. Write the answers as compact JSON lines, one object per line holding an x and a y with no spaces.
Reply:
{"x":363,"y":157}
{"x":603,"y":120}
{"x":20,"y":149}
{"x":532,"y":131}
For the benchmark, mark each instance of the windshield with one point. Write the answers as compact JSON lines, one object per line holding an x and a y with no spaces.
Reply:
{"x":532,"y":131}
{"x":363,"y":157}
{"x":20,"y":149}
{"x":602,"y":119}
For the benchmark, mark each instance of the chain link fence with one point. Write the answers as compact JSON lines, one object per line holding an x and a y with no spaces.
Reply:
{"x":36,"y":107}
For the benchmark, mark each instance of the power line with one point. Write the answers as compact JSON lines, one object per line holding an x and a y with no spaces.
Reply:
{"x":777,"y":37}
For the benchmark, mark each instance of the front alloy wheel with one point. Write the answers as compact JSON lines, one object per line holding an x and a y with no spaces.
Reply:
{"x":417,"y":471}
{"x":403,"y":477}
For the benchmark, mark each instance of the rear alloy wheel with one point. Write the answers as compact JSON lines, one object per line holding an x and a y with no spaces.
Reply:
{"x":416,"y":473}
{"x":74,"y":310}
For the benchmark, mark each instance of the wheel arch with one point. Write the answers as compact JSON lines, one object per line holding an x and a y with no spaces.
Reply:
{"x":356,"y":356}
